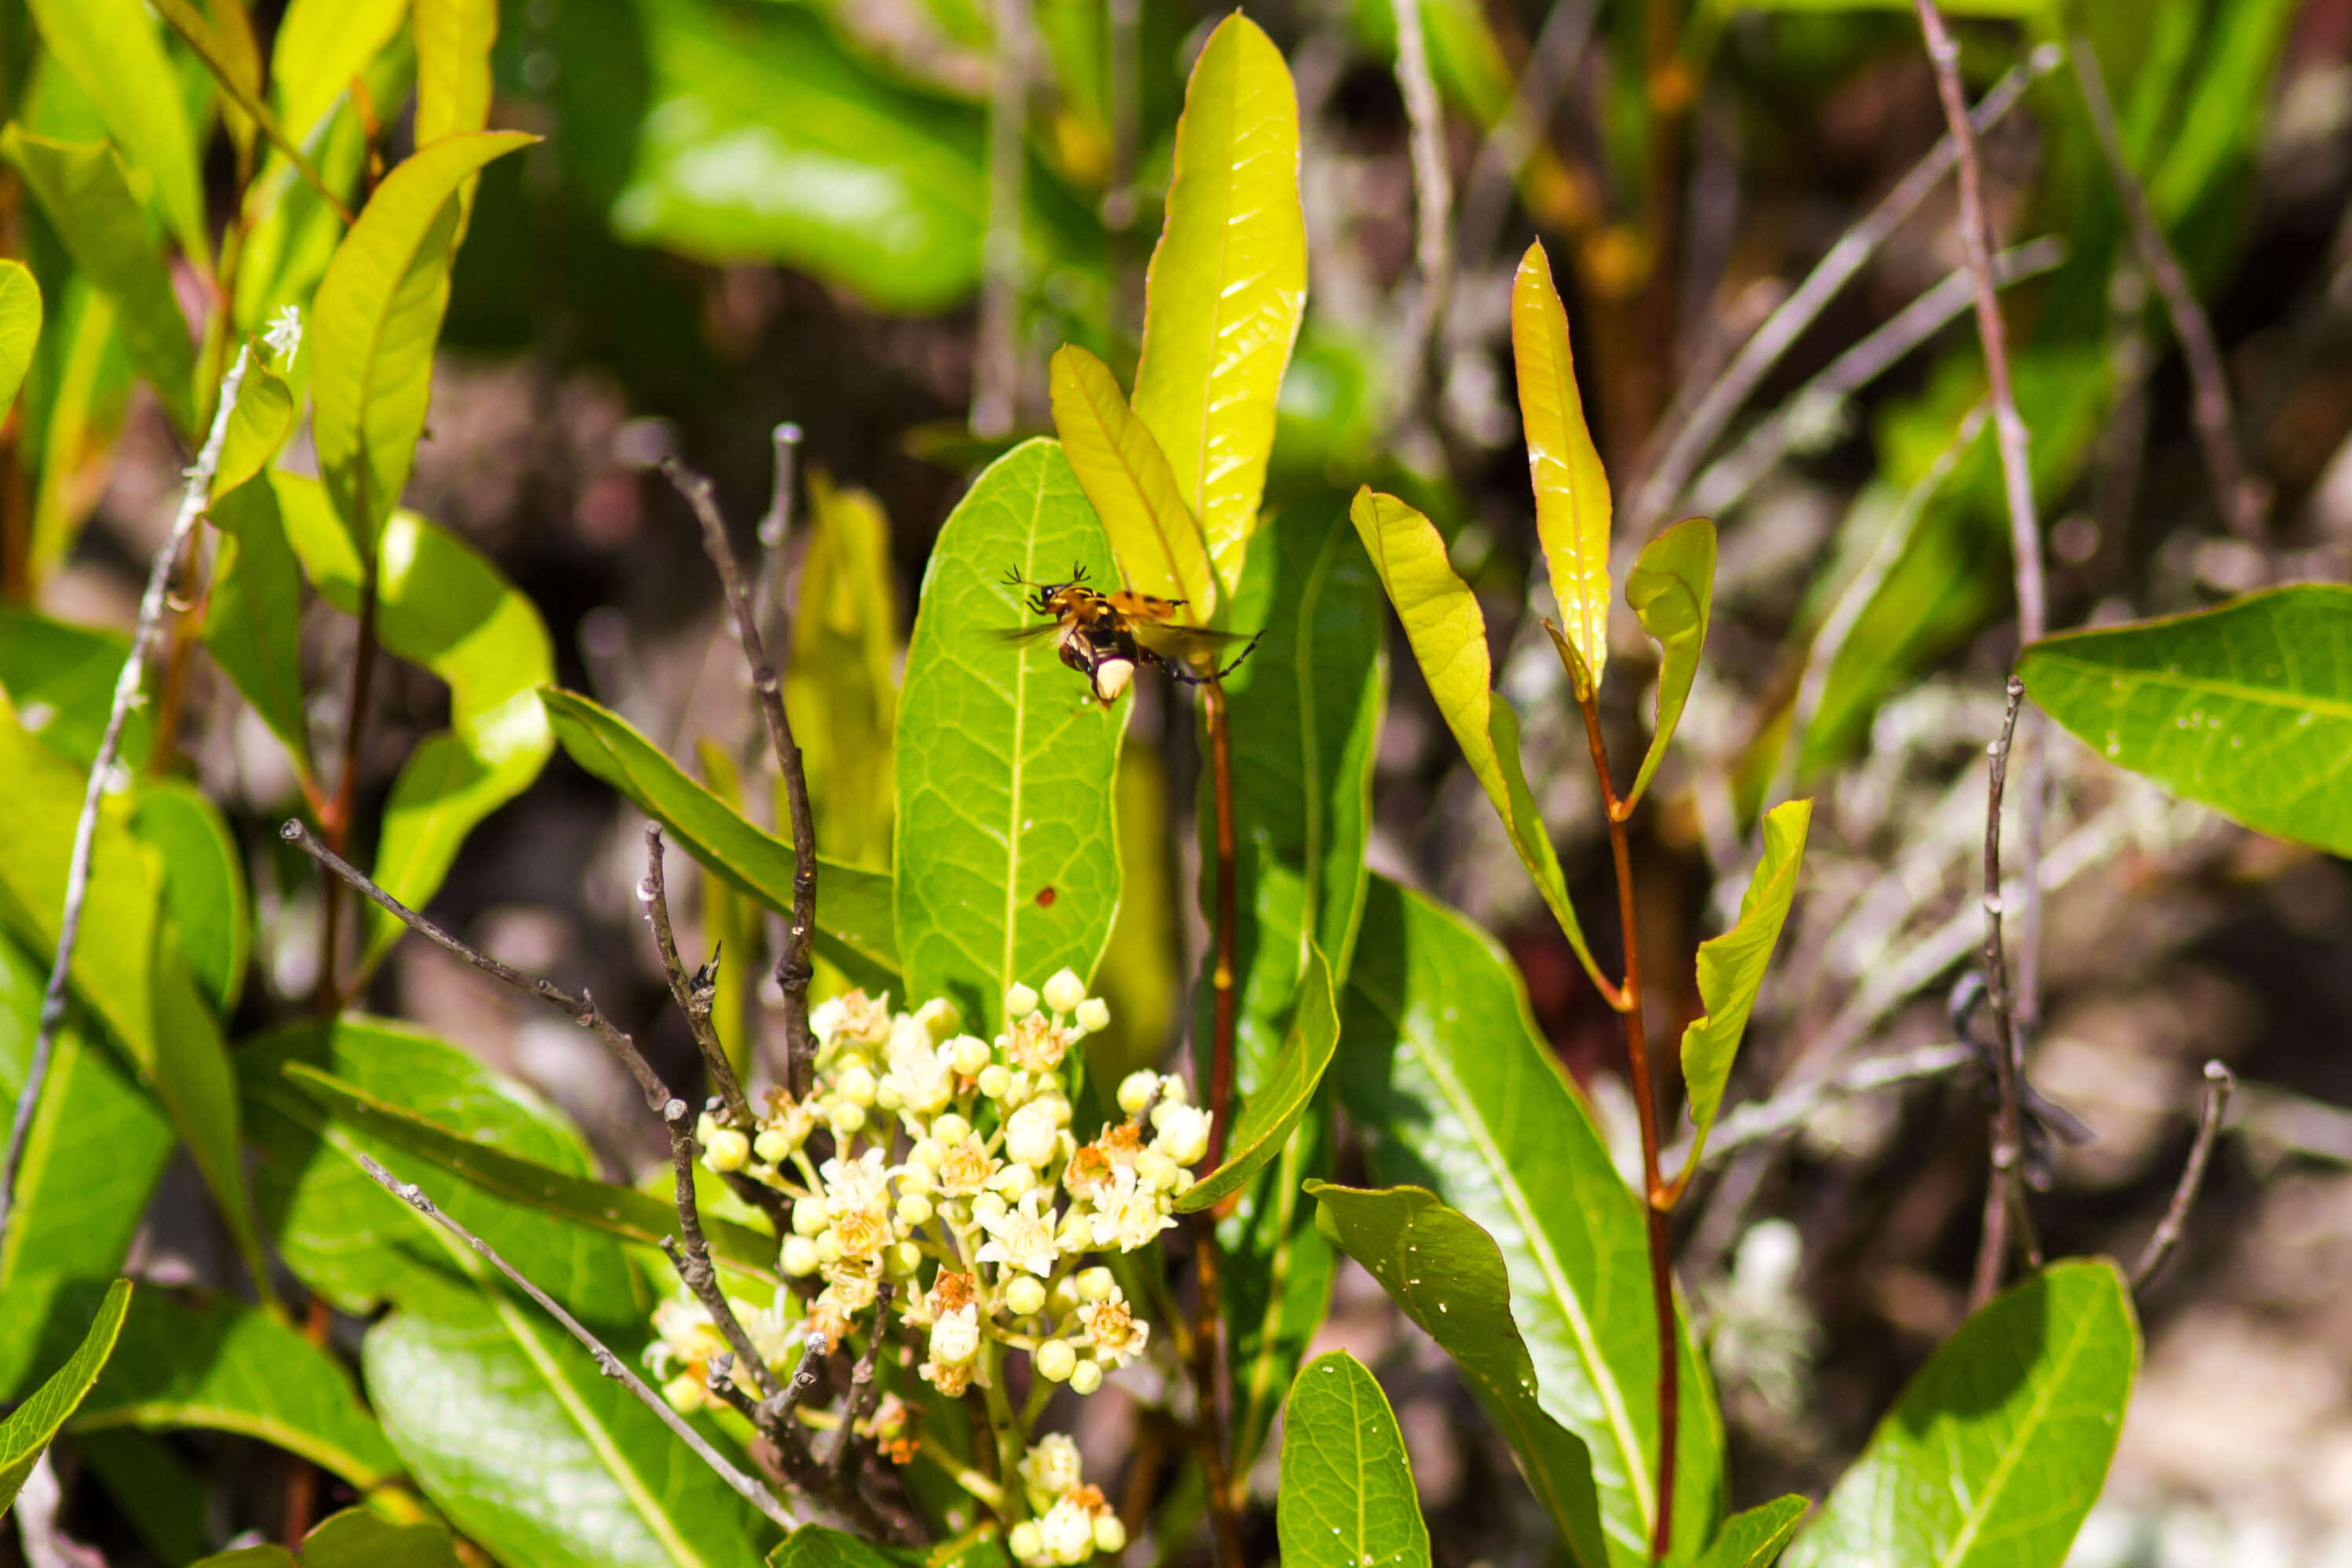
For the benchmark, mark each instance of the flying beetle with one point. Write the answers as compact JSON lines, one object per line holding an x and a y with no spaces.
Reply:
{"x":1104,"y":636}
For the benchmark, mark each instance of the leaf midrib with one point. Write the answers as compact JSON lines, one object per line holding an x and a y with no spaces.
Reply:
{"x":2034,"y":1415}
{"x":2333,"y":708}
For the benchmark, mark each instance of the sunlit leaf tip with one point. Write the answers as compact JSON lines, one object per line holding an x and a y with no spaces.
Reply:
{"x":1731,"y":966}
{"x":1571,"y":491}
{"x":1671,"y":588}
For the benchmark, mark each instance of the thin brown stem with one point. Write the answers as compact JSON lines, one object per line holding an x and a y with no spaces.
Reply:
{"x":611,"y":1366}
{"x":693,"y":994}
{"x":1658,"y":1199}
{"x":796,"y":966}
{"x":192,"y":501}
{"x":2209,"y":384}
{"x":336,"y":821}
{"x":2005,"y":1194}
{"x":865,"y":1384}
{"x":2017,"y":484}
{"x":1208,"y":1387}
{"x":2219,"y":1083}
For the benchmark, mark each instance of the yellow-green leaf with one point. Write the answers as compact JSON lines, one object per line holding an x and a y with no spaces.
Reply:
{"x":26,"y":1435}
{"x":1126,"y":475}
{"x":1571,"y":491}
{"x":20,"y":326}
{"x":1670,"y":589}
{"x":1227,"y":285}
{"x":320,"y":46}
{"x":257,"y":426}
{"x":453,"y":66}
{"x":112,"y":51}
{"x":1731,"y":967}
{"x":1279,"y":1102}
{"x":1448,"y":635}
{"x":378,"y":312}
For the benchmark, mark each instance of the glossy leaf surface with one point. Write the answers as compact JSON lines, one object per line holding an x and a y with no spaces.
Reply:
{"x":1008,"y":854}
{"x":1442,"y":1069}
{"x":83,"y":192}
{"x":1448,"y":1276}
{"x":1280,"y":1097}
{"x":223,"y":1366}
{"x":1731,"y":967}
{"x":1999,"y":1447}
{"x":204,"y":883}
{"x":622,"y":1212}
{"x":372,"y":328}
{"x":1756,"y":1537}
{"x":1572,"y":508}
{"x":1227,"y":285}
{"x":25,"y":1434}
{"x":1347,"y":1496}
{"x":453,"y":66}
{"x":1447,"y":631}
{"x":351,"y":1538}
{"x":854,"y":910}
{"x":1124,"y":474}
{"x":20,"y":328}
{"x":2246,"y":707}
{"x":254,"y":628}
{"x":60,"y":678}
{"x":1670,"y":589}
{"x":114,"y":50}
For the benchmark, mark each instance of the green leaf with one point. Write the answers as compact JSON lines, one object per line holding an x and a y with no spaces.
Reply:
{"x":254,"y":628}
{"x":1572,"y":507}
{"x":1124,"y":473}
{"x":1346,"y":1487}
{"x":1448,"y":1276}
{"x":1756,"y":1538}
{"x":372,"y":327}
{"x":1998,"y":1448}
{"x":2246,"y":707}
{"x":61,"y":676}
{"x":841,"y":683}
{"x":320,"y":46}
{"x":258,"y":426}
{"x":83,"y":192}
{"x":1008,"y":845}
{"x":1442,"y":1070}
{"x":112,"y":51}
{"x":441,"y":604}
{"x":1670,"y":589}
{"x":129,"y":967}
{"x":531,"y":1451}
{"x":814,"y":1546}
{"x":1447,"y":632}
{"x":351,"y":1538}
{"x":227,"y":1367}
{"x":26,"y":1435}
{"x":96,"y":1148}
{"x":234,"y":57}
{"x":203,"y":884}
{"x":78,"y":413}
{"x":20,"y":328}
{"x":1731,"y":968}
{"x":764,"y":136}
{"x":358,"y":1246}
{"x":1274,"y":1104}
{"x":618,"y":1211}
{"x":1227,"y":285}
{"x":854,"y":908}
{"x":453,"y":66}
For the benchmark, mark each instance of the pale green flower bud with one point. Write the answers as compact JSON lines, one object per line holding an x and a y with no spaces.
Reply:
{"x":1135,"y":1091}
{"x":1110,"y":1536}
{"x":901,"y":1258}
{"x":938,"y":1018}
{"x":969,"y":1053}
{"x":855,"y":1084}
{"x":1096,"y":1284}
{"x":914,"y":1209}
{"x":994,"y":1079}
{"x":1026,"y":1542}
{"x":800,"y":1259}
{"x":1094,"y":1015}
{"x":846,"y":1118}
{"x":1064,"y":991}
{"x":1025,"y":1295}
{"x":809,"y":1216}
{"x":772,"y":1147}
{"x":949,"y":1130}
{"x":988,"y":1207}
{"x":1055,"y":1360}
{"x":1086,"y":1377}
{"x":725,"y":1150}
{"x":1020,"y":1001}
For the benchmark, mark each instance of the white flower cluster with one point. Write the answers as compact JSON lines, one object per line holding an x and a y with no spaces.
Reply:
{"x":1071,"y":1521}
{"x":955,"y":1176}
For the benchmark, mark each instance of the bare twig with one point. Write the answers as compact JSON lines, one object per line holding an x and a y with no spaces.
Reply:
{"x":996,"y":361}
{"x":193,"y":498}
{"x":611,"y":1366}
{"x":1433,"y":196}
{"x":1726,"y":482}
{"x":2017,"y":484}
{"x":778,"y":1406}
{"x":795,"y":966}
{"x":1695,"y":425}
{"x":2005,"y":1195}
{"x":776,"y":526}
{"x":1486,"y":193}
{"x":1787,"y":1112}
{"x":719,"y":1379}
{"x":1887,"y":549}
{"x":2215,"y":1105}
{"x":2208,"y":383}
{"x":693,"y":994}
{"x":864,"y":1385}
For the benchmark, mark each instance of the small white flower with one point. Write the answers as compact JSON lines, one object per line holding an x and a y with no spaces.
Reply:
{"x":955,"y":1338}
{"x":1032,"y":1136}
{"x":284,"y":336}
{"x":1115,"y":1334}
{"x":859,"y":1183}
{"x":1183,"y":1133}
{"x":1067,"y":1531}
{"x":1053,"y":1466}
{"x":1094,"y":1017}
{"x":1128,"y":1213}
{"x":921,"y":1073}
{"x":1064,"y":991}
{"x":1024,"y":1237}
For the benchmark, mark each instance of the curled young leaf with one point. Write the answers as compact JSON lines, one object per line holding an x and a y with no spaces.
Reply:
{"x":1126,"y":477}
{"x":1731,"y":967}
{"x":1572,"y":507}
{"x":1447,"y":632}
{"x":1670,"y":590}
